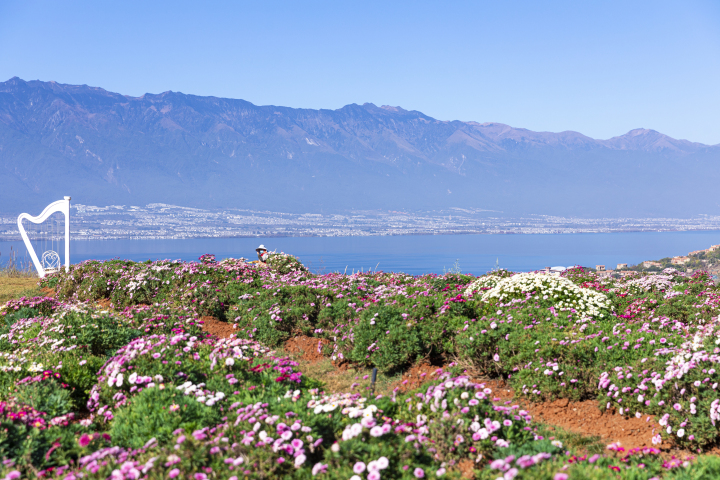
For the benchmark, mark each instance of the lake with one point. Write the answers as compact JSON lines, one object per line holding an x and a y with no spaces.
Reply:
{"x":475,"y":254}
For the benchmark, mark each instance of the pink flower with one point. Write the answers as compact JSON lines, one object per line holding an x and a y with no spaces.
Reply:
{"x":419,"y":472}
{"x":180,"y":439}
{"x":359,"y":468}
{"x":173,"y":473}
{"x":677,"y":407}
{"x":319,"y":468}
{"x":84,"y":440}
{"x":280,"y":460}
{"x":560,"y":476}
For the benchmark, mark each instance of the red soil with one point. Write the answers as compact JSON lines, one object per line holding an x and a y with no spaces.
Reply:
{"x":104,"y":303}
{"x":306,"y":347}
{"x":584,"y":418}
{"x":215,"y":327}
{"x":417,"y":375}
{"x":48,"y":292}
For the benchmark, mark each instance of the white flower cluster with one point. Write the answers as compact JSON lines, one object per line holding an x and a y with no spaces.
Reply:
{"x":481,"y":284}
{"x":562,"y":292}
{"x":351,"y":404}
{"x":203,"y":396}
{"x":654,"y":283}
{"x":35,"y":367}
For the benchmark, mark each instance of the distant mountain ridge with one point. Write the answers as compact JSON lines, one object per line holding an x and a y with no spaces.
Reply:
{"x":107,"y":148}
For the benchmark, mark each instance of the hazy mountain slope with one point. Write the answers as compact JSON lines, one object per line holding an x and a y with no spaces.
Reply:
{"x":106,"y":148}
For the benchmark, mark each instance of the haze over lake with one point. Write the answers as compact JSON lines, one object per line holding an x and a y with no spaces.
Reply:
{"x":475,"y":254}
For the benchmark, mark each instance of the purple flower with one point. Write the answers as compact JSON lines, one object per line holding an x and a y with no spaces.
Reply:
{"x":419,"y":473}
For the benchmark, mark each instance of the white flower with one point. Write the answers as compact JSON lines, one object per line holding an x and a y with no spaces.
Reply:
{"x":229,"y":362}
{"x":680,"y":432}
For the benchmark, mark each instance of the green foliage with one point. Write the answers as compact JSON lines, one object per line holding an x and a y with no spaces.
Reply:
{"x":46,"y":396}
{"x":156,"y":413}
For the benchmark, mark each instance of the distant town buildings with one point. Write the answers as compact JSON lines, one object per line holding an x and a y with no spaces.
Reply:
{"x":679,"y":260}
{"x":600,"y":268}
{"x":648,"y":264}
{"x":622,"y":265}
{"x":164,"y":221}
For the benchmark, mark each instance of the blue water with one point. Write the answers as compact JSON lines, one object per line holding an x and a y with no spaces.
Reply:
{"x":475,"y":254}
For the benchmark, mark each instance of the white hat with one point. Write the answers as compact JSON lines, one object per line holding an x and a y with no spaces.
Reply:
{"x":261,"y":247}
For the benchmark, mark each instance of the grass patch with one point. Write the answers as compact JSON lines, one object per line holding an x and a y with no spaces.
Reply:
{"x":14,"y":287}
{"x":577,"y":443}
{"x":351,"y":379}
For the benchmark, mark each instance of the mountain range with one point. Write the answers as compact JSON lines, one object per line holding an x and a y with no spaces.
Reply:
{"x":104,"y":148}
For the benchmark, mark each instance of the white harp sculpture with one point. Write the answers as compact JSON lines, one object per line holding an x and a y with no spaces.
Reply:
{"x":50,"y":260}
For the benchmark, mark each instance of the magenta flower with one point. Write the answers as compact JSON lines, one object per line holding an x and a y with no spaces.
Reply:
{"x":173,"y":473}
{"x":677,"y":407}
{"x":84,"y":440}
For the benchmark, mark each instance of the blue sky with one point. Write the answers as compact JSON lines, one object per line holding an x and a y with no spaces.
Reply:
{"x":600,"y":68}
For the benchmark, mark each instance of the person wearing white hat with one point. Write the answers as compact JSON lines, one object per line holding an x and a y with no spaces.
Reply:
{"x":262,"y":253}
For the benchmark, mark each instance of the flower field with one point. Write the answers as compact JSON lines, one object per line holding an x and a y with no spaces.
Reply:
{"x":113,"y":376}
